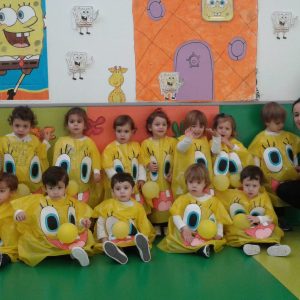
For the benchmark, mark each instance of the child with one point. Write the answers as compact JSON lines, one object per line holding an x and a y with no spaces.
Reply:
{"x":21,"y":153}
{"x":8,"y":231}
{"x":79,"y":155}
{"x":197,"y":218}
{"x":55,"y":224}
{"x":192,"y":147}
{"x":123,"y":155}
{"x":229,"y":155}
{"x":254,"y":219}
{"x":157,"y":158}
{"x":122,"y":222}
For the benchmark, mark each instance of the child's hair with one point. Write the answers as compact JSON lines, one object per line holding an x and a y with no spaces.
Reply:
{"x":194,"y":116}
{"x":222,"y":118}
{"x":123,"y":120}
{"x":252,"y":172}
{"x":157,"y":113}
{"x":79,"y":112}
{"x":197,"y":171}
{"x":121,"y":177}
{"x":23,"y":113}
{"x":273,"y":111}
{"x":10,"y":180}
{"x":294,"y":103}
{"x":55,"y":174}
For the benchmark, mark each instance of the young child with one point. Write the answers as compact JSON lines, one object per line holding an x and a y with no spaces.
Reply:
{"x":123,"y":155}
{"x":228,"y":154}
{"x":53,"y":224}
{"x":122,"y":222}
{"x":8,"y":231}
{"x":79,"y":155}
{"x":192,"y":147}
{"x":253,"y":216}
{"x":21,"y":153}
{"x":157,"y":158}
{"x":197,"y":218}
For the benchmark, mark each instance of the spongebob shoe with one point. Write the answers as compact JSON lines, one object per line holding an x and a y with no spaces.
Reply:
{"x":250,"y":249}
{"x":279,"y":250}
{"x":81,"y":256}
{"x":115,"y":253}
{"x":142,"y":244}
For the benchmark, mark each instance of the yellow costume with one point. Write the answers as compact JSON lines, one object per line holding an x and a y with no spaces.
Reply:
{"x":26,"y":158}
{"x":160,"y":151}
{"x":44,"y":216}
{"x":192,"y":213}
{"x":198,"y":151}
{"x":236,"y":203}
{"x":81,"y":159}
{"x":277,"y":157}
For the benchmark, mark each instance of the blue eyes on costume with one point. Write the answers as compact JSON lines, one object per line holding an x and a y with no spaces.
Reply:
{"x":49,"y":220}
{"x":289,"y":153}
{"x":64,"y":161}
{"x":192,"y":216}
{"x":167,"y":165}
{"x":221,"y":165}
{"x":35,"y":171}
{"x":200,"y":158}
{"x":273,"y":159}
{"x":72,"y":215}
{"x":9,"y":164}
{"x":235,"y":209}
{"x":85,"y":169}
{"x":134,"y":168}
{"x":257,"y":211}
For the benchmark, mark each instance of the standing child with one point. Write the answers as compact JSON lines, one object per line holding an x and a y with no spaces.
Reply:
{"x":122,"y":222}
{"x":197,"y":218}
{"x":21,"y":153}
{"x":79,"y":155}
{"x":8,"y":232}
{"x":192,"y":147}
{"x":55,"y":224}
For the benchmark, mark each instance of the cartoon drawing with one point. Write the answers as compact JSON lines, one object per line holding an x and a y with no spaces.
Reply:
{"x":217,"y":10}
{"x":237,"y":48}
{"x":77,"y":63}
{"x":84,"y":17}
{"x":282,"y":23}
{"x":169,"y":84}
{"x":21,"y":38}
{"x":155,"y":10}
{"x":116,"y":80}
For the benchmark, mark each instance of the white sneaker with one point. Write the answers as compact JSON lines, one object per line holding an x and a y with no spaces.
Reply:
{"x":250,"y":249}
{"x":142,"y":244}
{"x":81,"y":256}
{"x":279,"y":250}
{"x":114,"y":252}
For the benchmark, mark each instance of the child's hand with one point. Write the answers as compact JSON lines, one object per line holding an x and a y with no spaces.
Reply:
{"x":48,"y":133}
{"x":140,"y":184}
{"x":21,"y":216}
{"x":187,"y":235}
{"x":212,"y":132}
{"x":153,"y":166}
{"x":86,"y":223}
{"x":189,"y":132}
{"x":97,"y":177}
{"x":226,"y":141}
{"x":253,"y":220}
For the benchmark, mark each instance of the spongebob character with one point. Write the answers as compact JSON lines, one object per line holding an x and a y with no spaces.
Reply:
{"x":84,"y":17}
{"x":21,"y":38}
{"x":77,"y":63}
{"x":282,"y":23}
{"x":217,"y":10}
{"x":169,"y":84}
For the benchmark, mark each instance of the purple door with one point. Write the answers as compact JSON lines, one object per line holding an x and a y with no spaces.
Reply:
{"x":193,"y":61}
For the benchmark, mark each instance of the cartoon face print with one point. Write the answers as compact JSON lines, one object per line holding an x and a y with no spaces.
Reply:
{"x":133,"y":158}
{"x":217,"y":10}
{"x":199,"y":156}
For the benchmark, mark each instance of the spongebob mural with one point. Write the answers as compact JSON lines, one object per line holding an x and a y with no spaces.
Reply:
{"x":23,"y":63}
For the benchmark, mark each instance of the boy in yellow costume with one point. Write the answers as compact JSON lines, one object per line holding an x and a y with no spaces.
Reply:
{"x":122,"y":222}
{"x":53,"y":225}
{"x":197,"y":218}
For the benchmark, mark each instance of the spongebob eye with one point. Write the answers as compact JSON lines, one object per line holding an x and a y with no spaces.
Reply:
{"x":212,"y":218}
{"x":212,"y":3}
{"x":235,"y":164}
{"x":35,"y":172}
{"x":49,"y":220}
{"x":235,"y":209}
{"x":192,"y":216}
{"x":257,"y":211}
{"x":200,"y":158}
{"x":222,"y":3}
{"x":118,"y":166}
{"x":153,"y":175}
{"x":25,"y":13}
{"x":8,"y":16}
{"x":221,"y":165}
{"x":167,"y":165}
{"x":289,"y":153}
{"x":85,"y":169}
{"x":64,"y":161}
{"x":72,"y":215}
{"x":273,"y":159}
{"x":9,"y":164}
{"x":134,"y":168}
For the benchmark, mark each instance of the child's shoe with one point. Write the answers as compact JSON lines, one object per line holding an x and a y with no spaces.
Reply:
{"x":157,"y":230}
{"x":205,"y":251}
{"x":4,"y":260}
{"x":251,"y":250}
{"x":279,"y":250}
{"x":114,"y":252}
{"x":81,"y":256}
{"x":142,"y":244}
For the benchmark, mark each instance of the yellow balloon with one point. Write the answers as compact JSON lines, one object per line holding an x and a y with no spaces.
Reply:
{"x":120,"y":229}
{"x":23,"y":190}
{"x":67,"y":233}
{"x":221,"y":182}
{"x":72,"y":188}
{"x":240,"y":221}
{"x":207,"y":229}
{"x":235,"y":180}
{"x":150,"y":190}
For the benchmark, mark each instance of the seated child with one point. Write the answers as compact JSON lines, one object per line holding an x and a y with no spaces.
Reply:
{"x":197,"y":218}
{"x":8,"y":231}
{"x":122,"y":222}
{"x":53,"y":224}
{"x":253,"y":216}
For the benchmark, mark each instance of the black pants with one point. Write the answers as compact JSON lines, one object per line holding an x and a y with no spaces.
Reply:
{"x":290,"y":192}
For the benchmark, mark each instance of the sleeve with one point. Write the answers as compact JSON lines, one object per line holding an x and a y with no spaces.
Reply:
{"x":220,"y":229}
{"x":216,"y":145}
{"x":101,"y":232}
{"x":178,"y":222}
{"x":184,"y":144}
{"x":142,"y":173}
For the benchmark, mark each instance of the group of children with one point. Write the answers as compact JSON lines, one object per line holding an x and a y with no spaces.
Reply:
{"x":210,"y":192}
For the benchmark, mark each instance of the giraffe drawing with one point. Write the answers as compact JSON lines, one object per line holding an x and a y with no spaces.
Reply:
{"x":116,"y":80}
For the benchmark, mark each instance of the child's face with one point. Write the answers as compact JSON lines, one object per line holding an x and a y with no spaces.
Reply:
{"x":5,"y":192}
{"x":158,"y":127}
{"x":57,"y":191}
{"x":124,"y":133}
{"x":196,"y":187}
{"x":122,"y":191}
{"x":296,"y":112}
{"x":76,"y":125}
{"x":251,"y":187}
{"x":21,"y":128}
{"x":224,"y":128}
{"x":197,"y":130}
{"x":274,"y":126}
